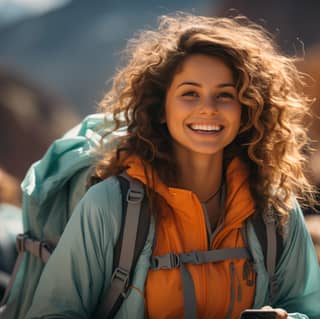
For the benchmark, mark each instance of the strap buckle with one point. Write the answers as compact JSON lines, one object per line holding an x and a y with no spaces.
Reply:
{"x":120,"y":274}
{"x":123,"y":276}
{"x":20,"y":239}
{"x":44,"y":246}
{"x":167,"y":261}
{"x":135,"y":196}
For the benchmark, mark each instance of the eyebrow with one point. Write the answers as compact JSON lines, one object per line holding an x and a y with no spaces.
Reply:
{"x":221,"y":85}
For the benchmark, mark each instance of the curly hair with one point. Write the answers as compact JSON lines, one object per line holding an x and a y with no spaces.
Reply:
{"x":272,"y":140}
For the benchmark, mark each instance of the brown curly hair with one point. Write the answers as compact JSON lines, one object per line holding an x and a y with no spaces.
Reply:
{"x":272,"y":140}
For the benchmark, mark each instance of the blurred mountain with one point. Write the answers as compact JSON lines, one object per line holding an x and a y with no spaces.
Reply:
{"x":30,"y":119}
{"x":295,"y":23}
{"x":74,"y":50}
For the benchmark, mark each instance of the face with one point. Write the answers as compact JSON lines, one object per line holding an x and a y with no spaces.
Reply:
{"x":202,"y":110}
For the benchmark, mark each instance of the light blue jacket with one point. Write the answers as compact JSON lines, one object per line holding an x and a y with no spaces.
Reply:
{"x":81,"y":266}
{"x":86,"y":252}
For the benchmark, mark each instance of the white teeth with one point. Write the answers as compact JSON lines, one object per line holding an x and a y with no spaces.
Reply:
{"x":204,"y":127}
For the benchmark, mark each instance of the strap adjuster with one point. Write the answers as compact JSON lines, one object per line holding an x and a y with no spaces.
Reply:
{"x":20,"y":239}
{"x":135,"y":196}
{"x":44,"y":246}
{"x":123,"y":276}
{"x":167,"y":261}
{"x":120,"y":274}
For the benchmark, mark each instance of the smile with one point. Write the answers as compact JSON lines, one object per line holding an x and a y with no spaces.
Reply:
{"x":205,"y":128}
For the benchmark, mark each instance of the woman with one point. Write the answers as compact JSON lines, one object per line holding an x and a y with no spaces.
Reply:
{"x":214,"y":131}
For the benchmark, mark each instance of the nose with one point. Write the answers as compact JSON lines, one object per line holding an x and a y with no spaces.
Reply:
{"x":209,"y":106}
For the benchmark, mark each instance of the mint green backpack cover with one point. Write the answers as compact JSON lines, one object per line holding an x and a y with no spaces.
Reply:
{"x":51,"y":189}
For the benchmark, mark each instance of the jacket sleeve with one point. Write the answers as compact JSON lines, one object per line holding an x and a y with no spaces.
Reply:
{"x":80,"y":268}
{"x":298,"y":272}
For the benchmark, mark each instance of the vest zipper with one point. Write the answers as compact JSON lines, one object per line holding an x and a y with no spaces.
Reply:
{"x":208,"y":226}
{"x":210,"y":235}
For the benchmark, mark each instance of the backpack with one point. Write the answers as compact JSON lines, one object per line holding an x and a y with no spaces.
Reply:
{"x":60,"y":177}
{"x":10,"y":226}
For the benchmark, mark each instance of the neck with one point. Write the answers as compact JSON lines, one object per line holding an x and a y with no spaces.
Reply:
{"x":202,"y":175}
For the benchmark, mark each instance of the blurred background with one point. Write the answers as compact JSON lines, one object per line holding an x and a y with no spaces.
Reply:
{"x":56,"y":57}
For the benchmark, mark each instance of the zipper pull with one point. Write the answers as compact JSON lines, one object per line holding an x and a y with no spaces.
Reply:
{"x":248,"y":273}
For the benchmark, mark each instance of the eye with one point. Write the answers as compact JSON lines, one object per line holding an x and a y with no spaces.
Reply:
{"x":190,"y":94}
{"x":225,"y":96}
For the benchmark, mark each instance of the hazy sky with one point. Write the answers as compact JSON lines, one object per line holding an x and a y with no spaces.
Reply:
{"x":13,"y":10}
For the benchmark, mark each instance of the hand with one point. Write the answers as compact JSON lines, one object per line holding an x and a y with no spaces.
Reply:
{"x":281,"y":313}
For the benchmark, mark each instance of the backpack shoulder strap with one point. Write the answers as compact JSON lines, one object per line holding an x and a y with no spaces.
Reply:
{"x":132,"y":237}
{"x":271,"y":243}
{"x":143,"y":223}
{"x":268,"y":236}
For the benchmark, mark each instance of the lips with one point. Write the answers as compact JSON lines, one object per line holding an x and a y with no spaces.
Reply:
{"x":206,"y":128}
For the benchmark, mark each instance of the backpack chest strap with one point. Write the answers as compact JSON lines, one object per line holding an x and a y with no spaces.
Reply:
{"x":172,"y":260}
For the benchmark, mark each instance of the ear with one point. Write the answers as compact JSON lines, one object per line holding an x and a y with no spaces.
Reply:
{"x":163,"y":119}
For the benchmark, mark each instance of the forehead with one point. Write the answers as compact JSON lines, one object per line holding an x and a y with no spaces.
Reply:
{"x":203,"y":68}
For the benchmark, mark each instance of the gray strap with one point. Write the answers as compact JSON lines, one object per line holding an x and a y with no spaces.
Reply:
{"x":204,"y":257}
{"x":189,"y":296}
{"x":120,"y":277}
{"x":134,"y":198}
{"x":172,"y":260}
{"x":271,"y":252}
{"x":244,"y":232}
{"x":37,"y":248}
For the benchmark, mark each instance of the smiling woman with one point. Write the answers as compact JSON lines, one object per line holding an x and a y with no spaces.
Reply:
{"x":215,"y":134}
{"x":202,"y":110}
{"x":202,"y":114}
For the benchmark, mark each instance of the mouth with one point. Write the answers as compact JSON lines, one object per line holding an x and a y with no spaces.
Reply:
{"x":205,"y":128}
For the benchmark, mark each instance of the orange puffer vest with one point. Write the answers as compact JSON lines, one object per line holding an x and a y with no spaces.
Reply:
{"x":223,"y":289}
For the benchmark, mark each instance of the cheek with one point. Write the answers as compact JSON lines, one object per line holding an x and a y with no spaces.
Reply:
{"x":171,"y":120}
{"x":172,"y":112}
{"x":239,"y":116}
{"x":234,"y":116}
{"x":236,"y":113}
